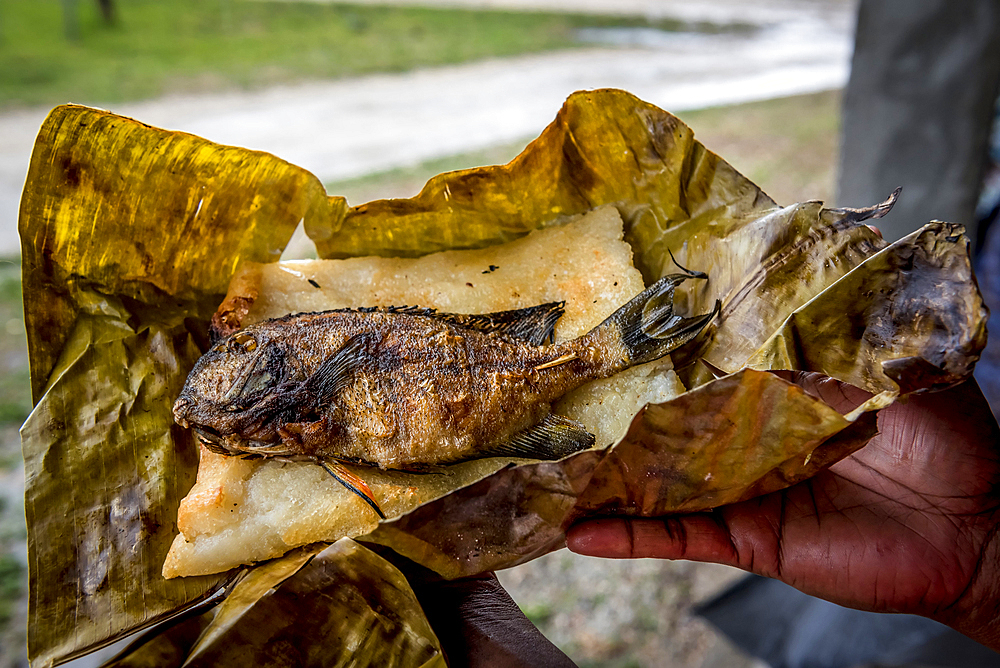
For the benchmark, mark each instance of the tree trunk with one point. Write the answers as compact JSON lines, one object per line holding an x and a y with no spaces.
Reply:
{"x":108,"y":12}
{"x":71,"y":20}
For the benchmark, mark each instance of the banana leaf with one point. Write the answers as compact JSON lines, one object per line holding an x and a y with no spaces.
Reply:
{"x":921,"y":330}
{"x":681,"y":204}
{"x":129,"y":237}
{"x":325,"y":605}
{"x":346,"y":606}
{"x":678,"y":456}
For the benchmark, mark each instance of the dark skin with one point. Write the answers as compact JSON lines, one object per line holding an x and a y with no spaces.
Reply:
{"x":477,"y":622}
{"x":907,"y":524}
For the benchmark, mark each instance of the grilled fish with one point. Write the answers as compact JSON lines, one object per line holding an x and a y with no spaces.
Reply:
{"x":405,"y":388}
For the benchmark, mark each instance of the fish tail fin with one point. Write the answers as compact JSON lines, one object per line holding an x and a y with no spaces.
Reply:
{"x":648,"y":326}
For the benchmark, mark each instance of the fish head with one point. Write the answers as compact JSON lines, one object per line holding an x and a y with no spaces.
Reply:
{"x":232,"y":390}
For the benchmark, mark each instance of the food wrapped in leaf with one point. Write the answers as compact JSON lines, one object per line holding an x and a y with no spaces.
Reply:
{"x":131,"y":235}
{"x":242,"y":511}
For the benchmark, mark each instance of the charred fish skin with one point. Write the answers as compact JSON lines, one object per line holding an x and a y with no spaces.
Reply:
{"x":406,"y":388}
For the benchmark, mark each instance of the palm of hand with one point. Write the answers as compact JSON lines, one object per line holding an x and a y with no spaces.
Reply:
{"x":907,"y":524}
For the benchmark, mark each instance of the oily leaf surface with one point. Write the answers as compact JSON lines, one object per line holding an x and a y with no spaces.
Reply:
{"x":508,"y":518}
{"x":708,"y":447}
{"x":321,"y":605}
{"x":765,"y":270}
{"x":167,"y":645}
{"x":171,"y":644}
{"x":129,"y":236}
{"x":167,"y":649}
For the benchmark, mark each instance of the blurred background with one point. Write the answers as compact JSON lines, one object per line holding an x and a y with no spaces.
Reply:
{"x":375,"y":97}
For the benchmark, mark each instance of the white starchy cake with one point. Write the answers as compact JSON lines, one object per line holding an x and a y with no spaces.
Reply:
{"x":240,"y":512}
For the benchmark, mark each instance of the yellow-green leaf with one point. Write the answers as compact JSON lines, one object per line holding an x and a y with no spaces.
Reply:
{"x":129,"y":236}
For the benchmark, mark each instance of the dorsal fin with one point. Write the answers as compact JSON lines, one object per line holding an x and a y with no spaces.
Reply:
{"x":534,"y":325}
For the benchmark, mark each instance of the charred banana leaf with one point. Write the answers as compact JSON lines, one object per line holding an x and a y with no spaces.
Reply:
{"x":909,"y":319}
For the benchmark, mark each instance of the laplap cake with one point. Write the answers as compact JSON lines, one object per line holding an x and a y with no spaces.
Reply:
{"x":243,"y":511}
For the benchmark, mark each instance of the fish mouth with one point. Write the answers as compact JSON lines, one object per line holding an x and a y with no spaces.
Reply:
{"x":229,"y":446}
{"x":264,"y":449}
{"x":211,"y":439}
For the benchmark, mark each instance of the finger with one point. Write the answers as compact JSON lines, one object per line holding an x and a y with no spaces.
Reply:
{"x":701,"y":537}
{"x":841,"y":396}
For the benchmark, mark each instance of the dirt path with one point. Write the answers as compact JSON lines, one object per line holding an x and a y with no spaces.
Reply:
{"x":718,"y":11}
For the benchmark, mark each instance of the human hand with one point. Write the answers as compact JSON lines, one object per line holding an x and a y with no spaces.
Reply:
{"x":908,"y":523}
{"x":478,"y":623}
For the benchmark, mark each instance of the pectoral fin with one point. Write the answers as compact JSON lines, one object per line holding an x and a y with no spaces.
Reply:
{"x":294,"y":402}
{"x":553,"y":438}
{"x":337,"y":370}
{"x":353,"y":483}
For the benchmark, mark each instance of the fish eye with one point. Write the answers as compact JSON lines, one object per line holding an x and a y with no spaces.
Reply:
{"x":243,"y":342}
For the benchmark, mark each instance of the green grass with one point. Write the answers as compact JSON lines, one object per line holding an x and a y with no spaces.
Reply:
{"x":787,"y":146}
{"x":11,"y":584}
{"x":539,"y":614}
{"x":162,"y":46}
{"x":15,"y":386}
